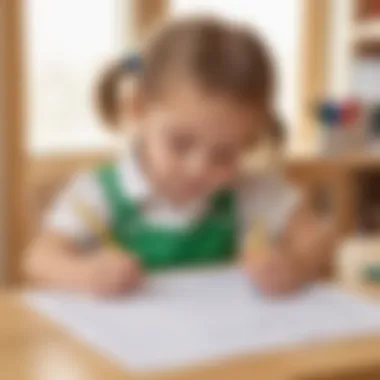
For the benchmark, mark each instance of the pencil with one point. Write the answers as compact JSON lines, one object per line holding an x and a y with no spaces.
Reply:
{"x":258,"y":238}
{"x":93,"y":222}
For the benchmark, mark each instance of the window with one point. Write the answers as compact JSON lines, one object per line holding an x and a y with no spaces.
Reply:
{"x":279,"y":22}
{"x":68,"y":43}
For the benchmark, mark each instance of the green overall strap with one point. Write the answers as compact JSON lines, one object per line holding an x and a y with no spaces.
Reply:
{"x":108,"y":177}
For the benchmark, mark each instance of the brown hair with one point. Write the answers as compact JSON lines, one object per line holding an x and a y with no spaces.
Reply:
{"x":220,"y":56}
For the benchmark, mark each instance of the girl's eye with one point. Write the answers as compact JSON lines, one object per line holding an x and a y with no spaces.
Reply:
{"x":181,"y":143}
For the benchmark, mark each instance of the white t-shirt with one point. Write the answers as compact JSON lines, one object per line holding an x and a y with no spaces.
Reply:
{"x":269,"y":199}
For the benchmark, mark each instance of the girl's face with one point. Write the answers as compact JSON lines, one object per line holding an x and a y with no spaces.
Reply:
{"x":193,"y":141}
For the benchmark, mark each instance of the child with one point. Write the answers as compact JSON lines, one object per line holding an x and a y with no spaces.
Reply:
{"x":199,"y":98}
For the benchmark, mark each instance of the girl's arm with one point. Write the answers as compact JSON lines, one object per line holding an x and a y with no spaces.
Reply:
{"x":301,"y":255}
{"x":310,"y":241}
{"x":58,"y":258}
{"x":53,"y":261}
{"x":303,"y":241}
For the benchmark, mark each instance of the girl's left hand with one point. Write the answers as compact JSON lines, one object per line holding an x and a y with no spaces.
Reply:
{"x":273,"y":273}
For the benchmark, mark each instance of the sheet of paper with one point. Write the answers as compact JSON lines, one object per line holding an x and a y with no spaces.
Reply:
{"x":183,"y":318}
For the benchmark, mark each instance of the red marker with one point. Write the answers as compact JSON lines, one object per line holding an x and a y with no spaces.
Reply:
{"x":350,"y":113}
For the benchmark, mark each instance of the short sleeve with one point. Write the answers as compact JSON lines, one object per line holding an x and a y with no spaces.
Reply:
{"x":63,"y":217}
{"x":270,"y":200}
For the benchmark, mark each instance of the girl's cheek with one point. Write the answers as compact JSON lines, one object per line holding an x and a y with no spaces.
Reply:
{"x":169,"y":162}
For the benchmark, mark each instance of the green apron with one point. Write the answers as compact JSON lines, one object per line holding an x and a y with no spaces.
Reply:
{"x":211,"y":240}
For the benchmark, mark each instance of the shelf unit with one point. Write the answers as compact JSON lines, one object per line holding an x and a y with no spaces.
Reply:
{"x":366,"y":27}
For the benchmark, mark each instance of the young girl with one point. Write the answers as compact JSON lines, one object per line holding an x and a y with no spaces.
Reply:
{"x":199,"y":98}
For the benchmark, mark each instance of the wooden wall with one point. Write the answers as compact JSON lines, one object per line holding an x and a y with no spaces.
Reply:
{"x":13,"y":112}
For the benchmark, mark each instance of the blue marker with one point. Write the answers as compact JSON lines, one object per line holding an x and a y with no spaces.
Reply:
{"x":329,"y":114}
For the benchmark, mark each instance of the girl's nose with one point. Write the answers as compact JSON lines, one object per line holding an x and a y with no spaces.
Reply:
{"x":198,"y":167}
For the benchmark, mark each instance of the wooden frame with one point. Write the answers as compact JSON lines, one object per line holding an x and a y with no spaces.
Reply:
{"x":148,"y":14}
{"x":314,"y":57}
{"x":14,"y":153}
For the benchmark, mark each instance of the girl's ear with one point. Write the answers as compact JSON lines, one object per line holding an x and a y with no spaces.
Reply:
{"x":272,"y":130}
{"x":138,"y":103}
{"x":267,"y":154}
{"x":130,"y":100}
{"x":276,"y":130}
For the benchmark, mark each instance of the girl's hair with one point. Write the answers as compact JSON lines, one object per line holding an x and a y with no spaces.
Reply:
{"x":220,"y":56}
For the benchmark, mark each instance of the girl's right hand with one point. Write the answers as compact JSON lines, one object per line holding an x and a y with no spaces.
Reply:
{"x":110,"y":272}
{"x":273,"y":273}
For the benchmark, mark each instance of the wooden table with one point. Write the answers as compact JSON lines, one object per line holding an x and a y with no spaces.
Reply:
{"x":337,"y":180}
{"x":34,"y":348}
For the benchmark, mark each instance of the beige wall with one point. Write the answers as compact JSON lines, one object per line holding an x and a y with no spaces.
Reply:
{"x":339,"y":50}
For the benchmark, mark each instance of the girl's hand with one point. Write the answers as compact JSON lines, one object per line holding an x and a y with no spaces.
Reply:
{"x":273,"y":272}
{"x":110,"y":272}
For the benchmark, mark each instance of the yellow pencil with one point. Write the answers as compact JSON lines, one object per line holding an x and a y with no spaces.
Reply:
{"x":93,"y":222}
{"x":258,"y":239}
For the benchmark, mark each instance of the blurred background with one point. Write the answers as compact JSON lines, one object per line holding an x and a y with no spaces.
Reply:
{"x":52,"y":51}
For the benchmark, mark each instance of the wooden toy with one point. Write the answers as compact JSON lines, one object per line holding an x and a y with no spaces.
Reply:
{"x":357,"y":265}
{"x":371,"y":273}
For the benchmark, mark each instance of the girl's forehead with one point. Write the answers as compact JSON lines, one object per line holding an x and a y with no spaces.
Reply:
{"x":210,"y":117}
{"x":189,"y":101}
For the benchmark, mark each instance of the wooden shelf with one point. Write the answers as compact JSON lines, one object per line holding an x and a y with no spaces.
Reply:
{"x":365,"y":35}
{"x":350,"y":161}
{"x":366,"y":31}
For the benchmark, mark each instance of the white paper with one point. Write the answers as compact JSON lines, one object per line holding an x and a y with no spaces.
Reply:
{"x":188,"y":317}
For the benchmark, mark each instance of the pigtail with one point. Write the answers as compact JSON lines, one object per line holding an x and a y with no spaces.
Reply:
{"x":107,"y":94}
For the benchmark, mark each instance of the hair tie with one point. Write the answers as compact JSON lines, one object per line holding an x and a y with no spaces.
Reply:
{"x":132,"y":63}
